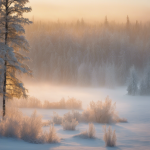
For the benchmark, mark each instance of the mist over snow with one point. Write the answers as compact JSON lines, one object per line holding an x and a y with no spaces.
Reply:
{"x":84,"y":54}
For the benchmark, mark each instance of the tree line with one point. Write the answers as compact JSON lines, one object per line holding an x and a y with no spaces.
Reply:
{"x":80,"y":53}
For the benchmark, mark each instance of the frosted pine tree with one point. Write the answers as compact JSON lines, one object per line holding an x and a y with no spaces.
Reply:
{"x":133,"y":82}
{"x":12,"y":46}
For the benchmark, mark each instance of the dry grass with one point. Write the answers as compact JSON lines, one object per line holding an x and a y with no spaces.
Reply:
{"x":109,"y":137}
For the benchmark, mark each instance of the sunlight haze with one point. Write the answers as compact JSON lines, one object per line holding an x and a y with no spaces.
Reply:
{"x":90,"y":10}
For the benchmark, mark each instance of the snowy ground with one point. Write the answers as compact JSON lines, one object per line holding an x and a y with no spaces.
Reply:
{"x":132,"y":135}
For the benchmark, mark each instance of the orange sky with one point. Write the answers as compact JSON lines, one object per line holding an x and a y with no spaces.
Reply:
{"x":90,"y":10}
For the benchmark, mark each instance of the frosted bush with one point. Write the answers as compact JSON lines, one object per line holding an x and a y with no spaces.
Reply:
{"x":102,"y":112}
{"x":56,"y":118}
{"x":67,"y":125}
{"x":72,"y":115}
{"x":109,"y":137}
{"x":88,"y":115}
{"x":15,"y":124}
{"x":10,"y":127}
{"x":33,"y":102}
{"x":31,"y":128}
{"x":90,"y":133}
{"x":72,"y":103}
{"x":51,"y":136}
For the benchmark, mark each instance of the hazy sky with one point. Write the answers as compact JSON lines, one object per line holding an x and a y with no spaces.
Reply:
{"x":94,"y":10}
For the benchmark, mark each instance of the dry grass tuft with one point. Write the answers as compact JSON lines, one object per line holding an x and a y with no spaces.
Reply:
{"x":109,"y":137}
{"x":90,"y":133}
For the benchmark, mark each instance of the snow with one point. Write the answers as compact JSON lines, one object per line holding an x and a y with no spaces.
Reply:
{"x":132,"y":135}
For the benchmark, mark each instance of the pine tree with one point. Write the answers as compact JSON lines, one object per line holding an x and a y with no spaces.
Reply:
{"x":133,"y":82}
{"x":12,"y":46}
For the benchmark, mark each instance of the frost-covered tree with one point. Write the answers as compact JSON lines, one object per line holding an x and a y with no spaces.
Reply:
{"x":133,"y":82}
{"x":12,"y":47}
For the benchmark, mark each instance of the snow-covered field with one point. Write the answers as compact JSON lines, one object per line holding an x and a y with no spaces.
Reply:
{"x":132,"y":135}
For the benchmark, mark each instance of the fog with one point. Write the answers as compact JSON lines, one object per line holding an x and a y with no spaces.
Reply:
{"x":54,"y":93}
{"x":88,"y":55}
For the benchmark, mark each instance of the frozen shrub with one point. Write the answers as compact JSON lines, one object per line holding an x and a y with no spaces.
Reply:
{"x":51,"y":136}
{"x":101,"y":112}
{"x":90,"y":133}
{"x":10,"y":127}
{"x":33,"y":102}
{"x":109,"y":137}
{"x":88,"y":115}
{"x":56,"y":118}
{"x":72,"y":103}
{"x":72,"y":115}
{"x":27,"y":128}
{"x":13,"y":112}
{"x":31,"y":128}
{"x":67,"y":125}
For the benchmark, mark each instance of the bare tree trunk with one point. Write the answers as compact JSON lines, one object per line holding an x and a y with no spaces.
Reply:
{"x":5,"y":65}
